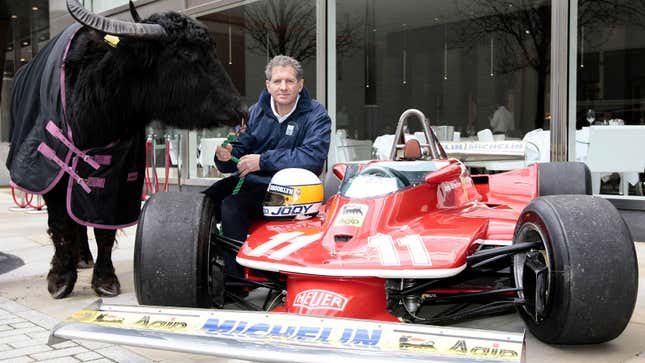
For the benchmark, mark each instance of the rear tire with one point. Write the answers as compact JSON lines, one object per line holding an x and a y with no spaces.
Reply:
{"x":171,"y":251}
{"x":563,"y":178}
{"x":587,"y":291}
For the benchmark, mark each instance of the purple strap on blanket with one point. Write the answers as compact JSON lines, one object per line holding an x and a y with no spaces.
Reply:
{"x":96,"y":182}
{"x":57,"y":133}
{"x":51,"y":155}
{"x":103,"y":159}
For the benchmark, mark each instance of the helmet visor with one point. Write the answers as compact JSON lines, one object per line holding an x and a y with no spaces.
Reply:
{"x":272,"y":199}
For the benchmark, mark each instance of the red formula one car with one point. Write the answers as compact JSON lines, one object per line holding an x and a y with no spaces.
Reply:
{"x":417,"y":241}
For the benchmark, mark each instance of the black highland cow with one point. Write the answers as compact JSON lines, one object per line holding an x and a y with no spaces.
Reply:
{"x":79,"y":113}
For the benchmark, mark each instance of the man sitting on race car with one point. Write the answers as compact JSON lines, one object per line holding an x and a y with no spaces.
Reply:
{"x":286,"y":129}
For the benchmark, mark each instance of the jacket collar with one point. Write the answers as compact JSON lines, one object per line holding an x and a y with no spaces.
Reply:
{"x":304,"y":102}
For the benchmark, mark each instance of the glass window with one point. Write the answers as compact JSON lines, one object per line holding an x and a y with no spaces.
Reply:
{"x":610,"y":107}
{"x":23,"y":34}
{"x":162,"y":152}
{"x":191,"y":3}
{"x":247,"y":37}
{"x":468,"y":65}
{"x":98,"y":6}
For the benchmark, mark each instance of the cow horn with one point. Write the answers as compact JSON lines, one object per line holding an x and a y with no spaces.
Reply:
{"x":113,"y":26}
{"x":133,"y":12}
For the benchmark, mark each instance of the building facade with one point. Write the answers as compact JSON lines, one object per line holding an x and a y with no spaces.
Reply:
{"x":563,"y":77}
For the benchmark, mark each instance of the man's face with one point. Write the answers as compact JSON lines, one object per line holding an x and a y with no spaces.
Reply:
{"x":283,"y":86}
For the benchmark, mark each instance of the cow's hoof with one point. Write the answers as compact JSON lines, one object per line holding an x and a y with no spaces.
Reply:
{"x":60,"y":285}
{"x":107,"y":286}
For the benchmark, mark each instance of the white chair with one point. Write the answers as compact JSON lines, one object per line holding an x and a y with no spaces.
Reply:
{"x":538,"y":144}
{"x":616,"y":149}
{"x":485,"y":135}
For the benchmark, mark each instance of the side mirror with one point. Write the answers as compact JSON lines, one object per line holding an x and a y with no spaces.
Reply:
{"x":339,"y":170}
{"x":448,"y":172}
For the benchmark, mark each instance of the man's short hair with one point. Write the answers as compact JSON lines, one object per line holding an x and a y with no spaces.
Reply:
{"x":284,"y":61}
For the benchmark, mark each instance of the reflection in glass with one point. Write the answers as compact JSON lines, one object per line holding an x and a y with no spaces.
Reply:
{"x":247,"y":37}
{"x":468,"y":64}
{"x":611,"y":93}
{"x":24,"y":30}
{"x":591,"y":116}
{"x":162,"y":158}
{"x":98,"y":6}
{"x":611,"y":52}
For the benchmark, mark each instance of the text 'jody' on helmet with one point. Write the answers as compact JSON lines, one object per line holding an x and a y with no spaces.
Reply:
{"x":293,"y":193}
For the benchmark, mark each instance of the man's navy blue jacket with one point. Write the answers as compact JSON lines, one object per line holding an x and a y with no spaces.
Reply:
{"x":300,"y":141}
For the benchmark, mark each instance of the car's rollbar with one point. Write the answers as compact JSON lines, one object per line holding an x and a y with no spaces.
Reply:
{"x":431,"y":144}
{"x":281,"y":337}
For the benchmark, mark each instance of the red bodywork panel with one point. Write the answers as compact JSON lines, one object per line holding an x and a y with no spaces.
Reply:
{"x":336,"y":263}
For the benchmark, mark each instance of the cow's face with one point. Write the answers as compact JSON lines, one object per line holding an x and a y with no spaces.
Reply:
{"x":169,"y":64}
{"x":193,"y":89}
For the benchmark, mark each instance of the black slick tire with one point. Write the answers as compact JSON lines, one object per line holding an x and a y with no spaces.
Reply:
{"x":563,"y":178}
{"x":592,"y":274}
{"x":171,"y":252}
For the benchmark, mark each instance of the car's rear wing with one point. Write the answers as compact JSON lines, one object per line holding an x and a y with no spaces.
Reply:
{"x":281,"y":337}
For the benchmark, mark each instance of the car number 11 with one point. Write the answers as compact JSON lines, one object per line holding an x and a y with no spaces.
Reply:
{"x":388,"y":253}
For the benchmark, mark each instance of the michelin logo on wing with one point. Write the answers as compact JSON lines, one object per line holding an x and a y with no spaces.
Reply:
{"x":309,"y":334}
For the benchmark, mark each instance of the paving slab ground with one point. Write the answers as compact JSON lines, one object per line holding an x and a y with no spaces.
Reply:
{"x":27,"y":312}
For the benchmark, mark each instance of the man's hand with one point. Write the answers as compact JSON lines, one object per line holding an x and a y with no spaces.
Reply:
{"x":223,"y":154}
{"x":248,"y":164}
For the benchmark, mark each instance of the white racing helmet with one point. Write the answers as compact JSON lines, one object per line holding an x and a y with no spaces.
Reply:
{"x":293,"y":193}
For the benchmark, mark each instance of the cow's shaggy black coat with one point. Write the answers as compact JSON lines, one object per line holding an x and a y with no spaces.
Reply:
{"x":112,"y":93}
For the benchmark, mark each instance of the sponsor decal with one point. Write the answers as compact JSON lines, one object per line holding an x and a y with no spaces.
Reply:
{"x":281,"y":189}
{"x":84,"y":316}
{"x":289,"y":210}
{"x":486,"y":148}
{"x":409,"y":342}
{"x":136,"y":320}
{"x":352,"y":215}
{"x":171,"y":324}
{"x":450,"y":185}
{"x":320,"y":299}
{"x":494,"y":350}
{"x":472,"y":347}
{"x":455,"y":192}
{"x":108,"y":318}
{"x":296,"y":333}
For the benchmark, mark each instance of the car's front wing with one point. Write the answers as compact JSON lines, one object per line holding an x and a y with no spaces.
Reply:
{"x":281,"y":337}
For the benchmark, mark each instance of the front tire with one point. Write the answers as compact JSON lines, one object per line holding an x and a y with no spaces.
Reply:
{"x":580,"y":285}
{"x":171,"y":251}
